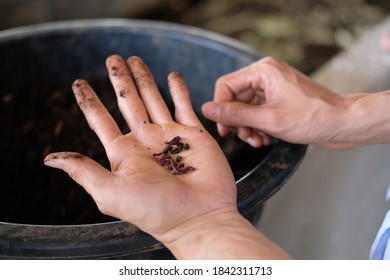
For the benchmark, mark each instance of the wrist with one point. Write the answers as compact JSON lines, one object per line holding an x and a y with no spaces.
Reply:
{"x":371,"y":120}
{"x":360,"y":120}
{"x":337,"y":121}
{"x":221,"y":234}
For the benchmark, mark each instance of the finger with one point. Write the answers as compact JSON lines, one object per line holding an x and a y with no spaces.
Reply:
{"x":267,"y":140}
{"x":151,"y":97}
{"x":222,"y":93}
{"x":223,"y":130}
{"x":235,"y":86}
{"x":249,"y":81}
{"x":229,"y":88}
{"x":129,"y":101}
{"x":97,"y":116}
{"x":252,"y":137}
{"x":211,"y":111}
{"x":184,"y":112}
{"x":249,"y":121}
{"x":244,"y":132}
{"x":235,"y":114}
{"x":85,"y":171}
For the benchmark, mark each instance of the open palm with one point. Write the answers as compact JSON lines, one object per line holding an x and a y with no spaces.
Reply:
{"x":138,"y":189}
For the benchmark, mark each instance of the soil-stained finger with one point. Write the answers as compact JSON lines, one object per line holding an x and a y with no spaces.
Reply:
{"x":97,"y":116}
{"x":129,"y":101}
{"x":184,"y":112}
{"x":147,"y":88}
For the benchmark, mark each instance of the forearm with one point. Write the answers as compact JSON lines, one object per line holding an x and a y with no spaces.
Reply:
{"x":222,"y":235}
{"x":365,"y":120}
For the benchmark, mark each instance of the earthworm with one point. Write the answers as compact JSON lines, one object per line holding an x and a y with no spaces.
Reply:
{"x":173,"y":147}
{"x":169,"y":144}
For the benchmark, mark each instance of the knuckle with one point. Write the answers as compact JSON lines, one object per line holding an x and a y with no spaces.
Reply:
{"x":220,"y":82}
{"x":269,"y":60}
{"x":271,"y":64}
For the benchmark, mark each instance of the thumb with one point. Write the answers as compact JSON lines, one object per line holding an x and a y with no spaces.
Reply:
{"x":232,"y":114}
{"x":85,"y":171}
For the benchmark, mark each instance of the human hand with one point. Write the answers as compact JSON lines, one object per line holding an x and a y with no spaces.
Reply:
{"x":137,"y":189}
{"x":270,"y":98}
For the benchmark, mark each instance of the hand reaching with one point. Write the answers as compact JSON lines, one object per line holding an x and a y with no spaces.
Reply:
{"x":271,"y":98}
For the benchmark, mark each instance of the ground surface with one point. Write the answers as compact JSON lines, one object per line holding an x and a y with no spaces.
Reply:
{"x":304,"y":33}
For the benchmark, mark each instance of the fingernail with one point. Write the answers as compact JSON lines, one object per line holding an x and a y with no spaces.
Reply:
{"x":252,"y":141}
{"x":51,"y":160}
{"x":211,"y":110}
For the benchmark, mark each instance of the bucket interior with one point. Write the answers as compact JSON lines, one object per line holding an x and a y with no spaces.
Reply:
{"x":39,"y":114}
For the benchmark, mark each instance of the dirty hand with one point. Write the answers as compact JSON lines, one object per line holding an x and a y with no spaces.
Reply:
{"x":270,"y":98}
{"x":138,"y":189}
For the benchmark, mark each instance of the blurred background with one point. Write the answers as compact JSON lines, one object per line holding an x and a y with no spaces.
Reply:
{"x":303,"y":33}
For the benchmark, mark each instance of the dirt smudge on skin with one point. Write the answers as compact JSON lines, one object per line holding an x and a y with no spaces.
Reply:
{"x":143,"y":80}
{"x":122,"y":93}
{"x":80,"y":88}
{"x":79,"y":93}
{"x":118,"y":71}
{"x":64,"y":156}
{"x":114,"y":70}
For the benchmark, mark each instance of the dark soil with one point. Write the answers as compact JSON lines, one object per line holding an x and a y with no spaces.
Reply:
{"x":33,"y":193}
